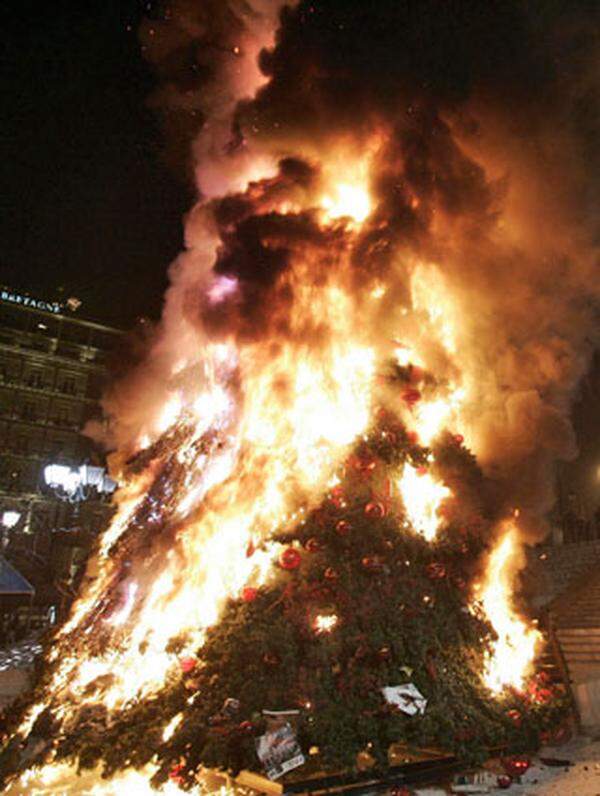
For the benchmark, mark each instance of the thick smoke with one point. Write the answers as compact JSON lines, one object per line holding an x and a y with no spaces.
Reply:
{"x":479,"y":123}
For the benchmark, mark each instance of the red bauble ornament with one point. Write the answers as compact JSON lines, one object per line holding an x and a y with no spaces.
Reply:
{"x":435,"y":571}
{"x":338,"y":497}
{"x":372,"y":563}
{"x":375,"y":509}
{"x":313,"y":545}
{"x":330,"y":574}
{"x":400,"y":790}
{"x":459,"y":439}
{"x":515,"y":716}
{"x":176,"y":772}
{"x":543,"y":695}
{"x":412,"y":437}
{"x":422,"y":471}
{"x":249,"y":594}
{"x":343,"y":528}
{"x":290,"y":558}
{"x":187,"y":664}
{"x":516,"y":766}
{"x":246,"y":727}
{"x":504,"y":781}
{"x":411,"y":396}
{"x":416,"y":374}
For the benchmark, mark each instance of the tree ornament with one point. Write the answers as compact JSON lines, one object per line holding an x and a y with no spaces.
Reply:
{"x":421,"y":471}
{"x":290,"y":558}
{"x":365,"y":464}
{"x":175,"y":774}
{"x":515,"y":716}
{"x":343,"y":528}
{"x":337,"y":497}
{"x":372,"y":563}
{"x":331,"y":574}
{"x":435,"y":570}
{"x":246,"y":727}
{"x":230,"y":707}
{"x":192,"y":684}
{"x":543,"y":696}
{"x":504,"y":781}
{"x":249,"y":594}
{"x":459,"y":439}
{"x":399,"y":790}
{"x":313,"y":545}
{"x":384,"y":653}
{"x":187,"y":664}
{"x":416,"y":374}
{"x":516,"y":766}
{"x":411,"y":396}
{"x":250,"y":549}
{"x":364,"y":761}
{"x":375,"y":509}
{"x":412,"y":437}
{"x":271,"y":659}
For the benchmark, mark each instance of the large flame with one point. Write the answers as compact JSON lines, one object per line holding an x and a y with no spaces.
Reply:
{"x":513,"y":651}
{"x":247,"y":439}
{"x":422,"y":496}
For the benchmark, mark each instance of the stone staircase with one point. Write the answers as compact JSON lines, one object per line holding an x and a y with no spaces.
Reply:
{"x":575,"y":619}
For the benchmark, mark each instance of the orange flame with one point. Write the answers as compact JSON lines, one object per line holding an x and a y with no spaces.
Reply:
{"x":255,"y":431}
{"x":514,"y":650}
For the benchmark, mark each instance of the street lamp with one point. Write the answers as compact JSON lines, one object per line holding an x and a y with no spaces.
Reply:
{"x":9,"y":520}
{"x":76,"y":486}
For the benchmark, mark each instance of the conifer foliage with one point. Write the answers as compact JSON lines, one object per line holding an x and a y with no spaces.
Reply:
{"x":360,"y":601}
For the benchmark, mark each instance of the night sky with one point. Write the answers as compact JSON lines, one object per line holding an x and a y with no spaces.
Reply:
{"x":90,"y":206}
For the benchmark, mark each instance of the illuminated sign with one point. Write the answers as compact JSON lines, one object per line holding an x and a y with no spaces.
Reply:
{"x":28,"y":301}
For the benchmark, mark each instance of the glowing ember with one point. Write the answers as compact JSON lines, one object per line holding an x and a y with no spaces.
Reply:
{"x":422,"y":497}
{"x":514,"y":650}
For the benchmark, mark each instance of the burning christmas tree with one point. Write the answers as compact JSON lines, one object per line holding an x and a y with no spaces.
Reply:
{"x":303,"y":536}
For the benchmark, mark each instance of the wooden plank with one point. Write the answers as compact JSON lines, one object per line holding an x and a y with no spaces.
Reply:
{"x":260,"y":783}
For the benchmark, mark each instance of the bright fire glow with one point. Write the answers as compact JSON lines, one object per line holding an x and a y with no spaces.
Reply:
{"x":422,"y":496}
{"x":249,"y":435}
{"x":348,"y":200}
{"x":324,"y":623}
{"x":515,"y":648}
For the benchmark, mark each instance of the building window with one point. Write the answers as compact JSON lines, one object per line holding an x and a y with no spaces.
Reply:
{"x":36,"y":380}
{"x":62,"y":415}
{"x":68,"y":384}
{"x":29,"y":411}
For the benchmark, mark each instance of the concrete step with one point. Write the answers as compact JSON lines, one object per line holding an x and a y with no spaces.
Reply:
{"x":582,"y":657}
{"x":569,"y":622}
{"x":582,"y":630}
{"x":579,"y":643}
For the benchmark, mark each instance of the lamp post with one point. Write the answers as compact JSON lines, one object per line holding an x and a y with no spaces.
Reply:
{"x":75,"y":486}
{"x":9,"y":519}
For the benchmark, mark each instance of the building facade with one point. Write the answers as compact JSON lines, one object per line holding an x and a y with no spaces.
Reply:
{"x":52,"y":374}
